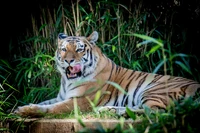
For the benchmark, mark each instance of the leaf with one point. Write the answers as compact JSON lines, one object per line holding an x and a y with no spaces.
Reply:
{"x":59,"y":18}
{"x":113,"y":48}
{"x":158,"y":66}
{"x":10,"y":87}
{"x":150,"y":39}
{"x":152,"y":50}
{"x":178,"y":55}
{"x":183,"y":66}
{"x":97,"y":97}
{"x":42,"y":27}
{"x":115,"y":37}
{"x":29,"y":74}
{"x":76,"y":113}
{"x":143,"y":43}
{"x":117,"y":86}
{"x":130,"y":113}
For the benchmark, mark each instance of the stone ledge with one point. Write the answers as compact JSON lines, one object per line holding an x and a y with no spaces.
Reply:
{"x":63,"y":125}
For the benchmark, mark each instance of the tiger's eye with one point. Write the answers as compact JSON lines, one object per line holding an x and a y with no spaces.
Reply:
{"x":64,"y":49}
{"x":79,"y":50}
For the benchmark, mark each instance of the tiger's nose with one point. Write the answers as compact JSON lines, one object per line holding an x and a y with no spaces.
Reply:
{"x":69,"y":61}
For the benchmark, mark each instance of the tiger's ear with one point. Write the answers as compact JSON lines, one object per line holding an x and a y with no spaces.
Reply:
{"x":93,"y":37}
{"x":61,"y":36}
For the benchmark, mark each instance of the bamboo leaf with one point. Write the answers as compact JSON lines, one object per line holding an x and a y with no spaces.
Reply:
{"x":117,"y":86}
{"x":150,"y":39}
{"x":152,"y":50}
{"x":158,"y":66}
{"x":183,"y":66}
{"x":42,"y":27}
{"x":178,"y":55}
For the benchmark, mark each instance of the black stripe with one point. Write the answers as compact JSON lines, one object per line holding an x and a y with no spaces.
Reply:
{"x":122,"y":78}
{"x":91,"y":59}
{"x":87,"y":53}
{"x":87,"y":74}
{"x":68,"y":87}
{"x":112,"y":65}
{"x":183,"y":88}
{"x":107,"y":80}
{"x":85,"y":59}
{"x":116,"y":98}
{"x":139,"y":75}
{"x":118,"y":90}
{"x":131,"y":74}
{"x":117,"y":67}
{"x":123,"y":100}
{"x":156,"y":78}
{"x":168,"y":85}
{"x":60,"y":96}
{"x":95,"y":58}
{"x":170,"y":95}
{"x":83,"y":49}
{"x":125,"y":71}
{"x":52,"y":101}
{"x":89,"y":46}
{"x":139,"y":85}
{"x":101,"y":72}
{"x":76,"y":87}
{"x":69,"y":84}
{"x":126,"y":88}
{"x":126,"y":101}
{"x":63,"y":85}
{"x":157,"y":99}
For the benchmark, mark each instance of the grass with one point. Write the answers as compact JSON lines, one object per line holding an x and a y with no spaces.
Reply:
{"x":7,"y":98}
{"x":177,"y":118}
{"x":85,"y":115}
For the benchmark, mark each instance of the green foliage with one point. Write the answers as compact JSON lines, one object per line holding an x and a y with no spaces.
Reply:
{"x":38,"y":76}
{"x":178,"y":118}
{"x":7,"y":98}
{"x":166,"y":61}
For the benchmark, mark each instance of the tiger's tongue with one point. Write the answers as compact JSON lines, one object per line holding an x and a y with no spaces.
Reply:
{"x":75,"y":69}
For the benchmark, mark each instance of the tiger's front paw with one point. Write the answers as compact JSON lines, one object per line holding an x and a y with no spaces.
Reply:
{"x":107,"y":109}
{"x":32,"y":110}
{"x":113,"y":109}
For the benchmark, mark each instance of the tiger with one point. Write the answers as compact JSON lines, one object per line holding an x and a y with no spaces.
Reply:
{"x":86,"y":70}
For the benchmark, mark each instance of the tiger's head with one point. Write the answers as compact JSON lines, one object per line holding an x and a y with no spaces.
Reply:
{"x":76,"y":56}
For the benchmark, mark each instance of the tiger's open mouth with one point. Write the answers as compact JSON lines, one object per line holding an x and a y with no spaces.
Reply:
{"x":73,"y":72}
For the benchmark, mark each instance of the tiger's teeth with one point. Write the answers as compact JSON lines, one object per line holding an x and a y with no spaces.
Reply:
{"x":72,"y":75}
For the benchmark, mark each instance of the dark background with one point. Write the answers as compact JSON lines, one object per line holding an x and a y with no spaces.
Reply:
{"x":16,"y":18}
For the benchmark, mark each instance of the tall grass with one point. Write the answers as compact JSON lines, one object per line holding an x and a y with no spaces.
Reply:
{"x":7,"y":99}
{"x":116,"y":24}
